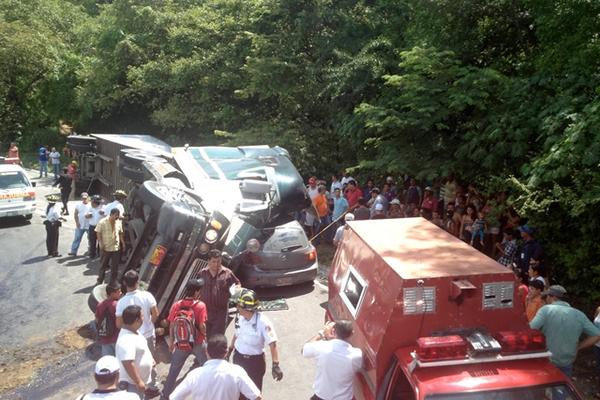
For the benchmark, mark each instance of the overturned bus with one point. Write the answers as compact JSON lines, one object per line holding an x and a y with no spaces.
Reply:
{"x":185,"y":201}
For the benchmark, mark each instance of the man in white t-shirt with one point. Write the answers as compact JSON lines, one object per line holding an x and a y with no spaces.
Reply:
{"x":145,"y":300}
{"x":55,"y":161}
{"x":120,"y":197}
{"x":131,"y":349}
{"x":346,"y":178}
{"x":106,"y":374}
{"x":337,"y":361}
{"x":82,"y":223}
{"x":217,"y":379}
{"x":94,"y":215}
{"x":339,"y":233}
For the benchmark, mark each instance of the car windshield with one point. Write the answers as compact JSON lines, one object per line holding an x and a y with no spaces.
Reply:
{"x":13,"y":180}
{"x":286,"y":239}
{"x":227,"y":163}
{"x":549,"y":392}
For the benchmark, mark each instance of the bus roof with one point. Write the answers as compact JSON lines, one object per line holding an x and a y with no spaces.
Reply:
{"x":137,"y":141}
{"x":417,"y":249}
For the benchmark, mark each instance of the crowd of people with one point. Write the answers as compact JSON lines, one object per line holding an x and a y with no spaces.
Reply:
{"x":127,"y":325}
{"x":196,"y":324}
{"x":486,"y":222}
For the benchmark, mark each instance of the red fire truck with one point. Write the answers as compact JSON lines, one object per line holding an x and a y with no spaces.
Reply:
{"x":435,"y":318}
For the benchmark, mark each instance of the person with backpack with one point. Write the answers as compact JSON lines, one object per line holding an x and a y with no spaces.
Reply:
{"x":187,"y":330}
{"x":106,"y":321}
{"x":106,"y":375}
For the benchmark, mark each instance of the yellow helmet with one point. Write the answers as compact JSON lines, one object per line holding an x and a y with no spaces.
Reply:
{"x":248,"y":300}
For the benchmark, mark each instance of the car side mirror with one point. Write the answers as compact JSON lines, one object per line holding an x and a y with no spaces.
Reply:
{"x":33,"y":184}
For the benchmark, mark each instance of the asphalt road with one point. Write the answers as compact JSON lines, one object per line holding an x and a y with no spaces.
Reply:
{"x":43,"y":307}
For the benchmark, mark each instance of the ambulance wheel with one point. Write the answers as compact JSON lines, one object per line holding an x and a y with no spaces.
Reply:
{"x":130,"y":173}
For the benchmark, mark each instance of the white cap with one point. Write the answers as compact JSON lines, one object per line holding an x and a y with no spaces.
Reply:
{"x":378,"y":207}
{"x":349,"y":217}
{"x":106,"y":365}
{"x":395,"y":201}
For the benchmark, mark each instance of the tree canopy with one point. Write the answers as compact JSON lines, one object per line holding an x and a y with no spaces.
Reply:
{"x":500,"y":92}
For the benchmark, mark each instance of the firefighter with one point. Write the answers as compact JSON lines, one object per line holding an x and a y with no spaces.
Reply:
{"x":52,"y":222}
{"x":253,"y":331}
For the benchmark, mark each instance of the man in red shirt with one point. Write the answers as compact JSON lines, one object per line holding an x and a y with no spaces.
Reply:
{"x":352,"y":195}
{"x":106,"y":321}
{"x":179,"y":353}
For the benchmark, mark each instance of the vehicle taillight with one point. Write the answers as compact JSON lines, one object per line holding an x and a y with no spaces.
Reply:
{"x":312,"y":256}
{"x":521,"y":341}
{"x":30,"y":196}
{"x":437,"y":348}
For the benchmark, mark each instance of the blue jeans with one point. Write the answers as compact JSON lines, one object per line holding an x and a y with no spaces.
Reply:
{"x":43,"y":168}
{"x":177,"y":360}
{"x":56,"y":170}
{"x":77,"y":239}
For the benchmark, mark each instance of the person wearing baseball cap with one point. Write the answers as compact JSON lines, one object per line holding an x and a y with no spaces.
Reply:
{"x":531,"y":248}
{"x":106,"y":374}
{"x":339,"y":233}
{"x":563,"y":325}
{"x":119,"y":196}
{"x":52,"y":223}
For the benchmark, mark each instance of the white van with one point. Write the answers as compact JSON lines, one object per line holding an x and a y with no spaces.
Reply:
{"x":17,"y":196}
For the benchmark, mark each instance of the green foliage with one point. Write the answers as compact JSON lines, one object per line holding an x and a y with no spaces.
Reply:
{"x":37,"y":66}
{"x":503,"y":93}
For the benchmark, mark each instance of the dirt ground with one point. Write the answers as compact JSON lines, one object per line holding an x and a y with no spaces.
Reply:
{"x":18,"y":366}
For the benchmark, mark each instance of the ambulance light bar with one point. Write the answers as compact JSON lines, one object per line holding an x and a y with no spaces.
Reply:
{"x":479,"y":347}
{"x":522,"y":341}
{"x":416,"y":362}
{"x":438,"y":348}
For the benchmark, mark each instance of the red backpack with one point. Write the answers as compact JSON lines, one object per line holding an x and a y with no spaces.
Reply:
{"x":184,"y":324}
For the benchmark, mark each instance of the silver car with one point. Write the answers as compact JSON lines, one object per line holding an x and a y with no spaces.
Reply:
{"x":278,"y":256}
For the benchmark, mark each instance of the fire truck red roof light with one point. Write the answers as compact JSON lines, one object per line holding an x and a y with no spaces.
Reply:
{"x":439,"y":348}
{"x":521,"y":341}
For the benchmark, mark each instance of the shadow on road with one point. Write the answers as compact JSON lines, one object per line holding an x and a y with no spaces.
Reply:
{"x":34,"y":260}
{"x":12,"y":222}
{"x":85,"y":290}
{"x":286,"y":292}
{"x":76,"y":261}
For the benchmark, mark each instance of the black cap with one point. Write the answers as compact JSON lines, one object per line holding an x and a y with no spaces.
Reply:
{"x":195,"y":283}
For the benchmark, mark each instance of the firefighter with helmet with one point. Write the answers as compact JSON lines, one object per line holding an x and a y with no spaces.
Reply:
{"x":254,"y":331}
